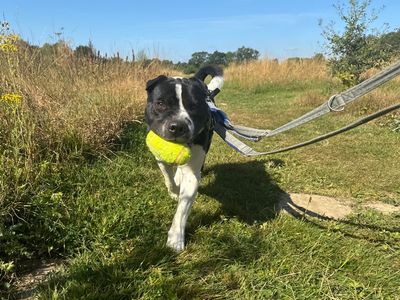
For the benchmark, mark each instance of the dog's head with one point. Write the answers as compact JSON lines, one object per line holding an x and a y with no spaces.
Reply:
{"x":176,"y":108}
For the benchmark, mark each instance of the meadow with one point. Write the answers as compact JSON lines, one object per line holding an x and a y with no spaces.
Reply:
{"x":78,"y":184}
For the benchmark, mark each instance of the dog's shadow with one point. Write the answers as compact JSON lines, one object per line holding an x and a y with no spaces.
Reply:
{"x":244,"y":190}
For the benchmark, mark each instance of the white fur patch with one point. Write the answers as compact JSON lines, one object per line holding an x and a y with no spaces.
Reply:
{"x":183,"y":114}
{"x":170,"y":183}
{"x":189,"y":183}
{"x":216,"y":83}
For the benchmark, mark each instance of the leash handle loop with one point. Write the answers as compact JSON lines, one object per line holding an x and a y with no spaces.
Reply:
{"x":340,"y":103}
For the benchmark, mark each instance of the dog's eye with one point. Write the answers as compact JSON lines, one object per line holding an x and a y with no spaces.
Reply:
{"x":160,"y":105}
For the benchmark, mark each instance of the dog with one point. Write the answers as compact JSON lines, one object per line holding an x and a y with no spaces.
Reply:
{"x":177,"y":111}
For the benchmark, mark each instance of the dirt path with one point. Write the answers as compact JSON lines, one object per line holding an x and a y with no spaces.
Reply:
{"x":326,"y":207}
{"x":40,"y":270}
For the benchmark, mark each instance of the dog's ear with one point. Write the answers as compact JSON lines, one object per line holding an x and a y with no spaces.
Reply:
{"x":151,"y":83}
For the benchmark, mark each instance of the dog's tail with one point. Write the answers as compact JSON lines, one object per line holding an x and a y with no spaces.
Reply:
{"x":215,"y":72}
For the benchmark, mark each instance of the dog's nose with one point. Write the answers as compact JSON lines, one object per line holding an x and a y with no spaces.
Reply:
{"x":177,"y":128}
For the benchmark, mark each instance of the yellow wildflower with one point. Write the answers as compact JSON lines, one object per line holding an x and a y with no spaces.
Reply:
{"x":8,"y":42}
{"x":11,"y":98}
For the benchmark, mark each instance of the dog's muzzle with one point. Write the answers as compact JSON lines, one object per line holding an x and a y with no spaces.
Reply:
{"x":177,"y":129}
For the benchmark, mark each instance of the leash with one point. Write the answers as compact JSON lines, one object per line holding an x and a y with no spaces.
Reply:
{"x":226,"y":129}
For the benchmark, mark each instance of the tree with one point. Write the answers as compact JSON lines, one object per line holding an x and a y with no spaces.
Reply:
{"x":217,"y":58}
{"x":244,"y":54}
{"x":50,"y":50}
{"x":318,"y":57}
{"x":230,"y":57}
{"x":202,"y":58}
{"x":359,"y":47}
{"x":199,"y":58}
{"x":83,"y":51}
{"x":391,"y":40}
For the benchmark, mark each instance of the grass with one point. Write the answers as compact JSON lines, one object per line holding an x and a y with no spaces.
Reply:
{"x":237,"y":247}
{"x":89,"y":191}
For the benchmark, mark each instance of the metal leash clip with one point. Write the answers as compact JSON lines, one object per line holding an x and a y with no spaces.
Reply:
{"x":341,"y":103}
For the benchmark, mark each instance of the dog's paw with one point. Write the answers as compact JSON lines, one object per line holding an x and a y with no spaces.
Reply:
{"x":175,"y":241}
{"x":173,"y":195}
{"x":177,"y":246}
{"x":173,"y":191}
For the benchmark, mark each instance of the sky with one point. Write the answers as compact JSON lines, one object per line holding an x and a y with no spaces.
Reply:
{"x":174,"y":29}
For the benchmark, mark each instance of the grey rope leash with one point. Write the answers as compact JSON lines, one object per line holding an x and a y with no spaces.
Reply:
{"x":225,"y":129}
{"x":248,"y":151}
{"x":334,"y":104}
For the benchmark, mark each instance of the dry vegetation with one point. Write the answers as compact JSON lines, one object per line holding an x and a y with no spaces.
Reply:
{"x":309,"y":72}
{"x":69,"y":96}
{"x":266,"y":71}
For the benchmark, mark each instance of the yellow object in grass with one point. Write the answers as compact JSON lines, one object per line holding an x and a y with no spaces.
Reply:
{"x":167,"y":151}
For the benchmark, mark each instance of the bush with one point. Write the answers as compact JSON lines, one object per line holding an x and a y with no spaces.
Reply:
{"x":359,"y":47}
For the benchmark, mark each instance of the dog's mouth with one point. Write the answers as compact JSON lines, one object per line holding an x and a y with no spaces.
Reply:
{"x":179,"y":131}
{"x":178,"y":140}
{"x":180,"y":137}
{"x":182,"y":140}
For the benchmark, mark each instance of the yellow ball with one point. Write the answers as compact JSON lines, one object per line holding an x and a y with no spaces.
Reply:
{"x":167,"y":151}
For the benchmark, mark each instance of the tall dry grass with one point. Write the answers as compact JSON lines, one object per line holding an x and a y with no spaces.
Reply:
{"x":56,"y":108}
{"x":89,"y":99}
{"x":309,"y":72}
{"x":261,"y":72}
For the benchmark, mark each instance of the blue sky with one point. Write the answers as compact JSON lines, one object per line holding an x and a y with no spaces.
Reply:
{"x":174,"y":29}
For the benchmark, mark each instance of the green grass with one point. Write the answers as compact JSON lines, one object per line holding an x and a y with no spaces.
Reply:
{"x":110,"y":217}
{"x":237,"y":247}
{"x":332,"y":167}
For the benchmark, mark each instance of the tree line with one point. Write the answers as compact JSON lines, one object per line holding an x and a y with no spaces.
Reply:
{"x":198,"y":59}
{"x":348,"y":54}
{"x":88,"y":52}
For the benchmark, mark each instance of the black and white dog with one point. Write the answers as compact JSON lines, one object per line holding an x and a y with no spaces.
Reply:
{"x":177,"y":110}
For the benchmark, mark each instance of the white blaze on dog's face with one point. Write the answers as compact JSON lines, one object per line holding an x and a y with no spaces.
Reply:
{"x":183,"y":115}
{"x":176,"y":108}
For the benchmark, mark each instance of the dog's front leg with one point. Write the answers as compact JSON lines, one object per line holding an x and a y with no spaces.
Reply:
{"x":189,"y":183}
{"x":168,"y":172}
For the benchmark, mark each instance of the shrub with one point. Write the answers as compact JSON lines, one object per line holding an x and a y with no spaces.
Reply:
{"x":359,"y":47}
